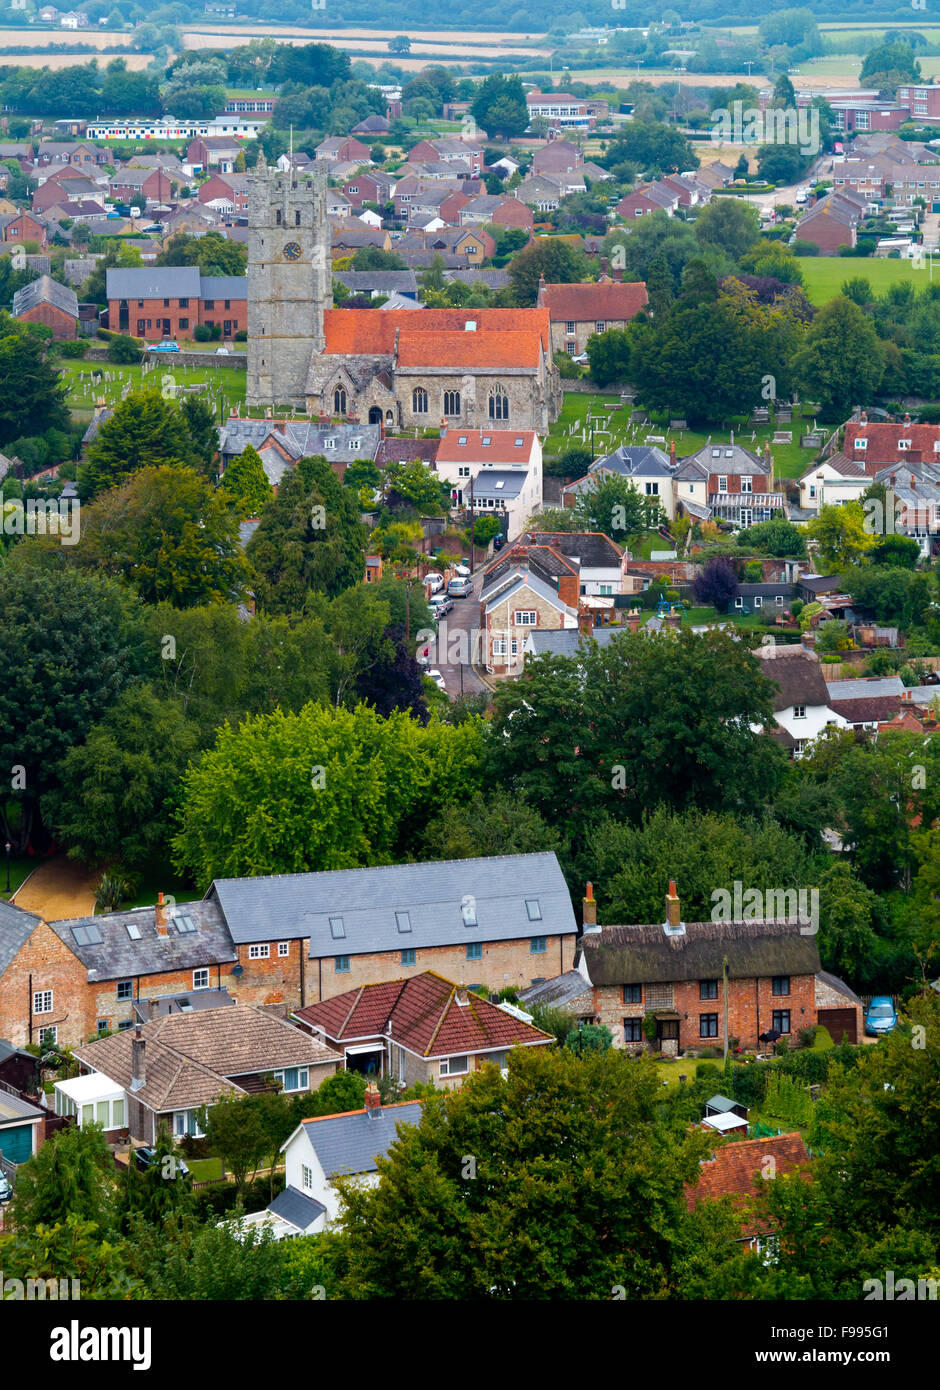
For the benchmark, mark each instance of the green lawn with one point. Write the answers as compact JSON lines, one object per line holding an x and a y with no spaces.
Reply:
{"x":205,"y":1169}
{"x":89,"y":381}
{"x":21,"y":866}
{"x":572,"y":430}
{"x":824,"y":276}
{"x":168,"y":885}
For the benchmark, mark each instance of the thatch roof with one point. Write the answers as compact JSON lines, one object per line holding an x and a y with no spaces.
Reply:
{"x":797,"y":675}
{"x":645,"y":955}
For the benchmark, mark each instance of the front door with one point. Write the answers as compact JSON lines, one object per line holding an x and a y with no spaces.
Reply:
{"x":746,"y":515}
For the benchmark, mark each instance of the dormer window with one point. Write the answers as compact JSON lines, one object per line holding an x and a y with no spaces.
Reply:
{"x":904,"y":443}
{"x":861,"y":443}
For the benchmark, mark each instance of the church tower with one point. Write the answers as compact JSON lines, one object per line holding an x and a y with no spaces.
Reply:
{"x":289,"y":282}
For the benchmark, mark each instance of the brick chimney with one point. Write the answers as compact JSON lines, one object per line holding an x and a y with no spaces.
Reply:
{"x":373,"y":1101}
{"x":672,"y":453}
{"x":585,"y":621}
{"x":138,"y":1061}
{"x":673,"y":914}
{"x":159,"y":916}
{"x":589,"y":910}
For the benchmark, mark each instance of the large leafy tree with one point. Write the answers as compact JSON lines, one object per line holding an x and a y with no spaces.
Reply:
{"x":327,"y":789}
{"x":500,"y":106}
{"x":214,"y":253}
{"x":32,"y":395}
{"x":69,"y":644}
{"x":729,"y":224}
{"x":650,"y":719}
{"x":841,"y":361}
{"x":651,"y":145}
{"x":560,"y":1182}
{"x":840,"y":535}
{"x":116,"y":789}
{"x":494,"y":822}
{"x":310,"y":540}
{"x":71,"y":1176}
{"x":145,"y":431}
{"x":550,"y":257}
{"x":246,"y":482}
{"x":168,"y":532}
{"x":614,"y":505}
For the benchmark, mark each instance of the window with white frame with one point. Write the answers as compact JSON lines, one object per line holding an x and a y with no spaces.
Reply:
{"x":722,"y":484}
{"x":283,"y":948}
{"x":904,"y":444}
{"x":306,"y":1177}
{"x":42,"y":1001}
{"x":499,"y":646}
{"x":747,"y":485}
{"x":48,"y":1035}
{"x":758,"y":601}
{"x":525,"y":617}
{"x":861,"y":444}
{"x":259,"y":952}
{"x":293,"y":1078}
{"x":200,"y":979}
{"x":799,"y":711}
{"x":455,"y":1066}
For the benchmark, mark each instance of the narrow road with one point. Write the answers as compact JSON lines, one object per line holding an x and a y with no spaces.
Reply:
{"x":58,"y":889}
{"x":452,"y":650}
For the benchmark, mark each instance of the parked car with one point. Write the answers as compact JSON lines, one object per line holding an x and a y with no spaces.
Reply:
{"x":6,"y":1188}
{"x":222,"y":352}
{"x":462,"y":571}
{"x":438,"y":679}
{"x":423,"y":656}
{"x":145,"y":1157}
{"x":434,"y":581}
{"x":880,"y":1016}
{"x":442,"y":606}
{"x":458,"y":588}
{"x":165,"y":346}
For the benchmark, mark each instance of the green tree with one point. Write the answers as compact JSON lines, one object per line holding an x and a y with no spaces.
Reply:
{"x":729,"y":224}
{"x":778,"y":538}
{"x":431,"y":1231}
{"x":214,"y":253}
{"x":32,"y":394}
{"x":160,"y":1190}
{"x":841,"y":361}
{"x":329,"y":789}
{"x":86,"y":637}
{"x":116,"y":789}
{"x":168,"y":532}
{"x":71,"y":1176}
{"x":497,"y":822}
{"x":558,"y":262}
{"x":73,"y":1248}
{"x":236,"y":1130}
{"x":887,"y":65}
{"x":613,"y":504}
{"x":840,"y":535}
{"x":609,"y":356}
{"x":145,"y":431}
{"x":412,"y":484}
{"x":500,"y":106}
{"x":247,"y":483}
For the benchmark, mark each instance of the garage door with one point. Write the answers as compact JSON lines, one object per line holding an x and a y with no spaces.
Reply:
{"x":842,"y":1024}
{"x":16,"y":1143}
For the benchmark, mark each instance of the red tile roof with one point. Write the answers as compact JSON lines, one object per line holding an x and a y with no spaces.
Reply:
{"x":505,"y":446}
{"x":608,"y":300}
{"x":424,"y":1017}
{"x":368,"y":331}
{"x":736,"y":1167}
{"x":462,"y":351}
{"x":883,"y":443}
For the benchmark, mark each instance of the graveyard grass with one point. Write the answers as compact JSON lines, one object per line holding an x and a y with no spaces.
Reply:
{"x":226,"y":384}
{"x":612,"y":428}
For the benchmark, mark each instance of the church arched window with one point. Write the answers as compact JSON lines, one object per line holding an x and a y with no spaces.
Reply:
{"x":499,"y":404}
{"x":339,"y":401}
{"x":419,"y":401}
{"x":451,"y":402}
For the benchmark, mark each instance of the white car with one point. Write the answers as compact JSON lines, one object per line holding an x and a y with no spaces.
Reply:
{"x":462,"y":572}
{"x":435,"y":582}
{"x":437,"y":678}
{"x":6,"y":1191}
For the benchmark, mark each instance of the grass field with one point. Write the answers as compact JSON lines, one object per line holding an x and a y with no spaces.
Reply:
{"x":612,"y":428}
{"x":92,"y":381}
{"x":824,"y":276}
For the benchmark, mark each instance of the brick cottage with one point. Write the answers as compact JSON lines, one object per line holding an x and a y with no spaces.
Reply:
{"x":678,"y":977}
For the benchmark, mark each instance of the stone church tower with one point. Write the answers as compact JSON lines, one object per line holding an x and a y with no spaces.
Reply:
{"x":289,"y":282}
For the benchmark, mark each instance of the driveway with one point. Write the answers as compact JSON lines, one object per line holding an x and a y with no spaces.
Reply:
{"x":452,"y":650}
{"x":58,"y":889}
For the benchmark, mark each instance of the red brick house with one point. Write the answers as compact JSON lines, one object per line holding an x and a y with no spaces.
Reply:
{"x":677,"y":978}
{"x":371,"y":186}
{"x":447,"y":151}
{"x":23,"y":228}
{"x":169,"y":301}
{"x":47,"y":302}
{"x":142,"y":186}
{"x":875,"y":444}
{"x":577,"y":311}
{"x":417,"y":1030}
{"x":227,"y":192}
{"x":637,"y":204}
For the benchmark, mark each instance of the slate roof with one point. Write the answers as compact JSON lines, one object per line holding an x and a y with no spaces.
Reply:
{"x":562,"y":990}
{"x":421,"y":1013}
{"x":382,"y":281}
{"x":876,"y":688}
{"x":173,"y":282}
{"x":731,"y":459}
{"x":820,"y":583}
{"x":296,"y":1208}
{"x":287,"y":906}
{"x":514,"y":584}
{"x":350,"y":1143}
{"x":646,"y":955}
{"x":45,"y":290}
{"x":16,"y":927}
{"x":567,"y":641}
{"x":499,"y":483}
{"x":118,"y":957}
{"x":592,"y":549}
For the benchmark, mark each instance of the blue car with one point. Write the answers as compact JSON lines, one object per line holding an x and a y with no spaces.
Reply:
{"x":880,"y":1016}
{"x":166,"y":346}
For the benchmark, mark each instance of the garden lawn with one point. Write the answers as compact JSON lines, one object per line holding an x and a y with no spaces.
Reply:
{"x":176,"y":888}
{"x":824,"y":276}
{"x":572,"y":430}
{"x":21,"y":866}
{"x":205,"y":1169}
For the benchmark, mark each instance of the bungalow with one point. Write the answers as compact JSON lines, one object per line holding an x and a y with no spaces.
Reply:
{"x":421,"y":1029}
{"x":330,"y":1147}
{"x":169,"y":1069}
{"x":668,"y":985}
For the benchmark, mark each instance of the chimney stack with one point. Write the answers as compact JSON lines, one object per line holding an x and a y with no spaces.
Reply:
{"x":461,"y":996}
{"x":159,"y":916}
{"x":672,"y":453}
{"x":138,"y":1061}
{"x":673,"y":915}
{"x":373,"y":1101}
{"x":589,"y":910}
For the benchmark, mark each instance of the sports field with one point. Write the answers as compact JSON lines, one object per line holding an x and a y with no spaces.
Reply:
{"x":824,"y":276}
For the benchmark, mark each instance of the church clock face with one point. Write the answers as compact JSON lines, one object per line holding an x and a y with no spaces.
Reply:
{"x":292,"y":251}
